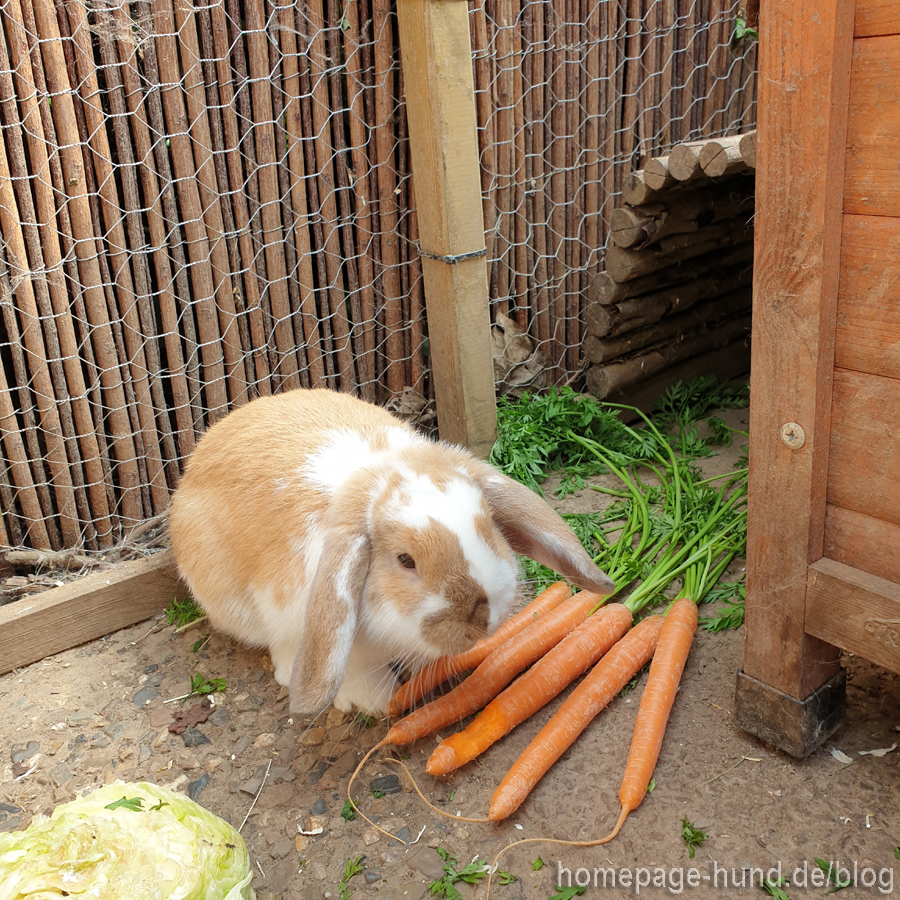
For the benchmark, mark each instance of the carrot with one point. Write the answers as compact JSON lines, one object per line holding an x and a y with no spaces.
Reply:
{"x":656,"y":704}
{"x":604,"y":681}
{"x":574,"y":654}
{"x":447,"y":666}
{"x":497,"y":671}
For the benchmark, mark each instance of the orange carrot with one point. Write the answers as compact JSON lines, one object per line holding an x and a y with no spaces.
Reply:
{"x":447,"y":666}
{"x":496,"y":672}
{"x":656,"y":704}
{"x":571,"y":657}
{"x":604,"y":681}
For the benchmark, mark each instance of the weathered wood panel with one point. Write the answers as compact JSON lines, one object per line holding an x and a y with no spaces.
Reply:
{"x":861,"y":541}
{"x":95,"y":605}
{"x":856,"y":611}
{"x":804,"y":90}
{"x":876,"y":17}
{"x":868,"y":309}
{"x":872,"y":178}
{"x":864,"y":467}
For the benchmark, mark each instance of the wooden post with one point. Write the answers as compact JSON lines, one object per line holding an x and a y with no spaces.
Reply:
{"x":790,"y":691}
{"x":440,"y":106}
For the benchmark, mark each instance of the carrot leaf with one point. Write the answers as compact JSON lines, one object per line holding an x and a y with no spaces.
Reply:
{"x":135,"y":804}
{"x":567,"y":893}
{"x":538,"y":864}
{"x":692,"y":836}
{"x":773,"y":888}
{"x":833,"y":876}
{"x":351,"y":867}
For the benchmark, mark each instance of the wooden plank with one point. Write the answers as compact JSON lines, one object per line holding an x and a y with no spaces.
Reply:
{"x":89,"y":608}
{"x":804,"y":87}
{"x":856,"y":611}
{"x":872,"y":178}
{"x":865,"y":450}
{"x":868,"y":309}
{"x":437,"y":59}
{"x":864,"y":542}
{"x":876,"y":17}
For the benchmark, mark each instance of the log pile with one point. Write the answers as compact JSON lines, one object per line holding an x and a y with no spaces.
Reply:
{"x":676,"y":282}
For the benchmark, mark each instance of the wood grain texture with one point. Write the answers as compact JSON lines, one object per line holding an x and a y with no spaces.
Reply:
{"x":856,"y":611}
{"x":872,"y":178}
{"x":876,"y":17}
{"x":97,"y":604}
{"x":436,"y":53}
{"x":804,"y":89}
{"x":861,"y":541}
{"x":865,"y":445}
{"x":868,"y":309}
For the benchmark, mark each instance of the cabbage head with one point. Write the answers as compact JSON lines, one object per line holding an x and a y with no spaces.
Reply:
{"x":153,"y":845}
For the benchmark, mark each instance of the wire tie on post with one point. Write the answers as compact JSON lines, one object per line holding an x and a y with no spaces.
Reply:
{"x":453,"y":260}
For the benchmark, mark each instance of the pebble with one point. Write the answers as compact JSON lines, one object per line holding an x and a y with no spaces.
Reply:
{"x":213,"y":763}
{"x":281,"y":849}
{"x":194,"y":737}
{"x":252,"y":785}
{"x":187,"y":761}
{"x":317,"y":870}
{"x":276,"y":795}
{"x":386,"y":784}
{"x":319,"y":808}
{"x":341,"y":732}
{"x":372,"y":875}
{"x":404,"y":835}
{"x":160,"y":716}
{"x":317,"y":771}
{"x":264,"y":740}
{"x":195,"y":788}
{"x":425,"y":861}
{"x":60,"y":774}
{"x":312,"y":737}
{"x":335,"y":717}
{"x":301,"y":843}
{"x":220,"y":717}
{"x":242,"y":744}
{"x":145,"y":754}
{"x":141,"y":698}
{"x":22,"y":752}
{"x":371,"y":836}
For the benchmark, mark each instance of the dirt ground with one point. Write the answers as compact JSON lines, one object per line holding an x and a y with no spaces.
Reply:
{"x":96,"y":713}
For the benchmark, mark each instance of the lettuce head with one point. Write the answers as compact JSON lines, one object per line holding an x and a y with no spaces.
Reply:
{"x":153,"y":844}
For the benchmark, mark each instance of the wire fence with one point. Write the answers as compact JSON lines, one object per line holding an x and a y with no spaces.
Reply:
{"x":203,"y":203}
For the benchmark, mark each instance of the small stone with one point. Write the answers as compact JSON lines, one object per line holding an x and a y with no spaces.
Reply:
{"x":344,"y":732}
{"x":101,"y":742}
{"x":264,"y":740}
{"x":220,"y":717}
{"x":194,"y":737}
{"x":13,"y":823}
{"x":276,"y":795}
{"x":372,"y":875}
{"x":195,"y":788}
{"x":22,"y":752}
{"x":54,"y":747}
{"x":424,"y":861}
{"x":371,"y":836}
{"x":317,"y":870}
{"x":335,"y":717}
{"x":301,"y":843}
{"x":460,"y":832}
{"x":187,"y":761}
{"x":252,"y":785}
{"x":282,"y":849}
{"x":242,"y":744}
{"x":317,"y":771}
{"x":312,"y":737}
{"x":161,"y":738}
{"x":319,"y":808}
{"x":330,"y":750}
{"x":145,"y":754}
{"x":60,"y":774}
{"x":142,"y":697}
{"x":313,"y":825}
{"x":404,"y":835}
{"x":160,"y":717}
{"x":386,"y":784}
{"x":213,"y":763}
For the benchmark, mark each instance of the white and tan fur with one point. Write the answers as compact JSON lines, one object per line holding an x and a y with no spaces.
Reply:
{"x":298,"y":518}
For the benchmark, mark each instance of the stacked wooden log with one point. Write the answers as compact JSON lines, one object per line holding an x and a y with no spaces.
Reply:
{"x":676,"y":283}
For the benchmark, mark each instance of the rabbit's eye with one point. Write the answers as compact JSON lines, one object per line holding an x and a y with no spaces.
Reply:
{"x":406,"y":561}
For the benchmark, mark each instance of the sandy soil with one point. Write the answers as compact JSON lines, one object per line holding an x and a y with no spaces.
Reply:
{"x":96,"y":713}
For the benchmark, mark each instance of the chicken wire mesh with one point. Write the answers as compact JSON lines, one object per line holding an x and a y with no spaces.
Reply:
{"x":203,"y":203}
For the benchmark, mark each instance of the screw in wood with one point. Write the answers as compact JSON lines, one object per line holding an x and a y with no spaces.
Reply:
{"x":793,"y":435}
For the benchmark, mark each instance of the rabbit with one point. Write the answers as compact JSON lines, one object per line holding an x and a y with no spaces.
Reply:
{"x":327,"y":530}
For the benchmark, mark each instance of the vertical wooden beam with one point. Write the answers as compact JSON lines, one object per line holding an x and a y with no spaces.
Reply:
{"x":440,"y":106}
{"x":803,"y":105}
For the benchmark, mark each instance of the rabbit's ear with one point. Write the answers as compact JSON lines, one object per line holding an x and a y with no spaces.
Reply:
{"x":533,"y":527}
{"x":331,"y":618}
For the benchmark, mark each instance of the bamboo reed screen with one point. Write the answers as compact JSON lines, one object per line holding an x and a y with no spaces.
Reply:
{"x":204,"y":202}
